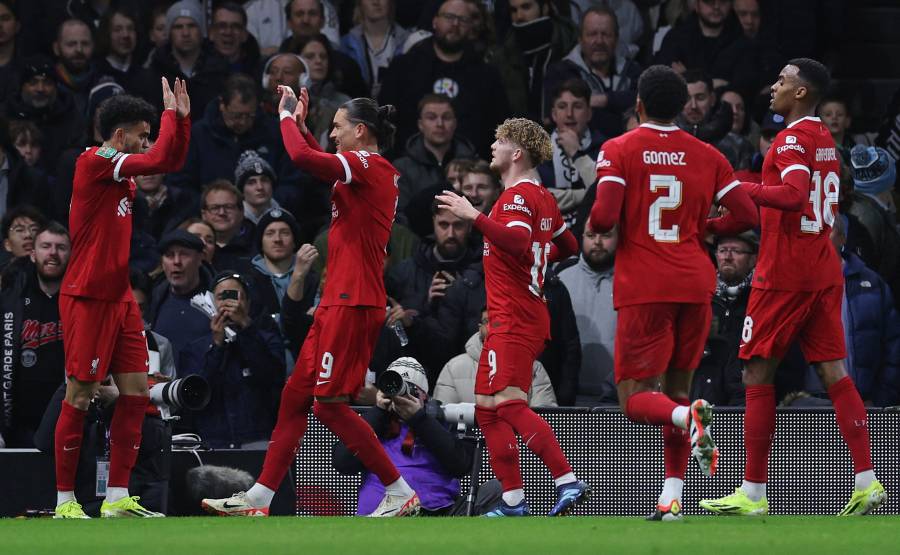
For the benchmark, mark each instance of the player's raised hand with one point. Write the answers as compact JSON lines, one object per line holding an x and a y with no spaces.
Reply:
{"x":168,"y":95}
{"x":182,"y":100}
{"x":458,"y":205}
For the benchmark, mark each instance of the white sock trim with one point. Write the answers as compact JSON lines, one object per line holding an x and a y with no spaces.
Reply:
{"x":672,"y":490}
{"x":754,"y":490}
{"x":513,"y":497}
{"x":260,"y":496}
{"x":566,"y":478}
{"x":681,"y":417}
{"x":864,"y":479}
{"x":64,"y":497}
{"x":114,"y":494}
{"x":398,"y":487}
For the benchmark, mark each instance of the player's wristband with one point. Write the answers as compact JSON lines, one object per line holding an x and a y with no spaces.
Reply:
{"x":285,"y":115}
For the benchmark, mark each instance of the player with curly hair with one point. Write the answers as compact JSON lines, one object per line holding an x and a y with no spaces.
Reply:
{"x":522,"y":234}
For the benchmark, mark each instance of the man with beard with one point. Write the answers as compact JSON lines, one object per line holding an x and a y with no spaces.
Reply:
{"x":74,"y":48}
{"x":444,"y":64}
{"x":30,"y":309}
{"x":590,"y":281}
{"x":52,"y":109}
{"x":612,"y":78}
{"x":419,"y":283}
{"x":698,"y":40}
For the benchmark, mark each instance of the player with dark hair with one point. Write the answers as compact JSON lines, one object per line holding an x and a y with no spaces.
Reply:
{"x":103,"y":332}
{"x":657,"y":183}
{"x":524,"y":231}
{"x":331,"y":367}
{"x":797,"y":291}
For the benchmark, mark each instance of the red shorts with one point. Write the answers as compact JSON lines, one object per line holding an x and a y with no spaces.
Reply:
{"x":102,"y":337}
{"x":337,"y":350}
{"x":775,"y":319}
{"x":507,"y":360}
{"x":653,"y":338}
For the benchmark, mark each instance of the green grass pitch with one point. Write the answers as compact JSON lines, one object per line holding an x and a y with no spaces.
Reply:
{"x":457,"y":536}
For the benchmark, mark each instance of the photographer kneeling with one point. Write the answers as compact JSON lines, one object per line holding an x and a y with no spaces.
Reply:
{"x":243,"y":361}
{"x":428,"y":454}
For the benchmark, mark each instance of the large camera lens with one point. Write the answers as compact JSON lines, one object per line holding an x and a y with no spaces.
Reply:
{"x":391,"y":383}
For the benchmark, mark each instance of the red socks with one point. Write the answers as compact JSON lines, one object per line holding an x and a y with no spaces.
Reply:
{"x":359,"y":438}
{"x":293,"y":417}
{"x":502,"y":447}
{"x":125,"y":437}
{"x":853,"y":422}
{"x":650,"y":407}
{"x":537,"y":435}
{"x":677,"y":446}
{"x":67,"y":445}
{"x":759,"y":428}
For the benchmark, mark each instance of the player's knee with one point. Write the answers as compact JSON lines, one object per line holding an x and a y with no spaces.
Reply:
{"x":830,"y":372}
{"x":79,"y":393}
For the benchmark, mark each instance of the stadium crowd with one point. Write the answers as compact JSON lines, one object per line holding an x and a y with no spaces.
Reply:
{"x":240,"y":216}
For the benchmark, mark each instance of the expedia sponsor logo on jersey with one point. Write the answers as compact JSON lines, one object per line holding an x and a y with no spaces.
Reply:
{"x":601,"y":162}
{"x":517,"y":208}
{"x":796,"y":147}
{"x":790,"y":139}
{"x":363,"y":155}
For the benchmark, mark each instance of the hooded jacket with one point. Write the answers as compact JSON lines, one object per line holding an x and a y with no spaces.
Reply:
{"x":621,"y":94}
{"x":410,"y":280}
{"x":354,"y":45}
{"x":420,"y":169}
{"x":61,"y":124}
{"x":456,"y":383}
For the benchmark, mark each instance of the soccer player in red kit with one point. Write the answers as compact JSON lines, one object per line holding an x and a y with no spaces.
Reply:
{"x":102,"y":328}
{"x":331,"y":367}
{"x":522,"y":234}
{"x":657,"y":183}
{"x":797,"y":291}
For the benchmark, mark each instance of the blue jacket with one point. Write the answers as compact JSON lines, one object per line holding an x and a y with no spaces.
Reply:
{"x":244,"y":377}
{"x":873,"y":329}
{"x":214,"y":151}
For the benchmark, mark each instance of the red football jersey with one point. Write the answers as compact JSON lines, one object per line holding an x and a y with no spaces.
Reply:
{"x":795,"y":251}
{"x":100,"y":227}
{"x":363,"y":205}
{"x":515,"y":285}
{"x":670,"y":179}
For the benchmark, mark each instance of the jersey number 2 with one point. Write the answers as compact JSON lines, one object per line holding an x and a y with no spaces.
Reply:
{"x":670,"y":201}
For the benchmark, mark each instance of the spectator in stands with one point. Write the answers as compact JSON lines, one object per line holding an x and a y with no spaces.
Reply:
{"x":444,"y":64}
{"x":267,"y":22}
{"x":186,"y":56}
{"x":164,"y":207}
{"x":19,"y":182}
{"x":326,"y":80}
{"x":20,"y":225}
{"x":255,"y":178}
{"x":538,"y":38}
{"x":171,"y":314}
{"x":243,"y":372}
{"x":427,"y":452}
{"x":736,"y":145}
{"x":117,"y":41}
{"x":50,"y":108}
{"x":283,"y":263}
{"x":428,"y":151}
{"x":836,"y":117}
{"x":375,"y":40}
{"x":480,"y":186}
{"x":630,"y":18}
{"x":611,"y":78}
{"x":75,"y":71}
{"x":156,"y":31}
{"x":27,"y":138}
{"x":162,"y":359}
{"x":874,"y":175}
{"x":231,"y":126}
{"x":33,"y":340}
{"x":697,"y":41}
{"x":230,"y":39}
{"x":307,"y":18}
{"x":871,"y":326}
{"x":573,"y":167}
{"x":700,"y":117}
{"x":456,"y":382}
{"x":222,"y":205}
{"x":589,"y":282}
{"x":10,"y":54}
{"x":771,"y":124}
{"x":420,"y":282}
{"x":719,"y":376}
{"x":206,"y":233}
{"x":749,"y":62}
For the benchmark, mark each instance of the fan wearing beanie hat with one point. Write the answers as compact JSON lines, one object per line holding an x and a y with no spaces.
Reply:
{"x":874,"y":174}
{"x":256,"y":180}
